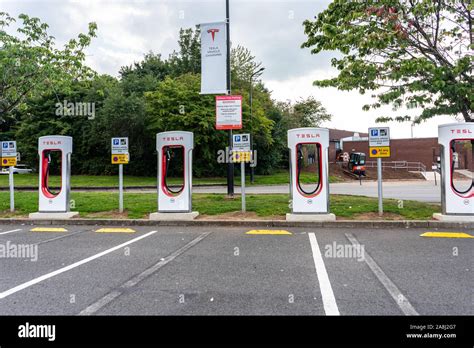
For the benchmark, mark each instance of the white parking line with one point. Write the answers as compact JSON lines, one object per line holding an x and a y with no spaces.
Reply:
{"x":329,"y":301}
{"x":7,"y":232}
{"x":72,"y":266}
{"x":396,"y":294}
{"x":138,"y":278}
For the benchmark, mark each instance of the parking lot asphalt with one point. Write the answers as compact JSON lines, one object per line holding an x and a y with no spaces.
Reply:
{"x":178,"y":270}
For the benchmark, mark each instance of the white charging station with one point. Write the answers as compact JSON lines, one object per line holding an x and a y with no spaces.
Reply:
{"x":54,"y":203}
{"x":457,"y":197}
{"x":309,"y":154}
{"x":175,"y":157}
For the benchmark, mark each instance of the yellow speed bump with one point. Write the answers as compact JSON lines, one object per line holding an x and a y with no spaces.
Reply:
{"x":116,"y":230}
{"x":446,"y":235}
{"x":48,"y":229}
{"x":271,"y":232}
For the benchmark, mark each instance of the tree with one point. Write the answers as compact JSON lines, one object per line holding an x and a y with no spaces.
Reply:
{"x":177,"y":105}
{"x":243,"y":64}
{"x":413,"y":53}
{"x":30,"y":64}
{"x":188,"y":59}
{"x":287,"y":115}
{"x":43,"y":116}
{"x":144,"y":76}
{"x":307,"y":112}
{"x":310,"y":113}
{"x":121,"y":115}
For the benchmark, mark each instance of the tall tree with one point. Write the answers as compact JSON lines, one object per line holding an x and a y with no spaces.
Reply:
{"x":188,"y":58}
{"x":30,"y":64}
{"x":414,"y":53}
{"x":45,"y":115}
{"x":176,"y":104}
{"x":310,"y":112}
{"x":307,"y":112}
{"x":243,"y":64}
{"x":144,"y":76}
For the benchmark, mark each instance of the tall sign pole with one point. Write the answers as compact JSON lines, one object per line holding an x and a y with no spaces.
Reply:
{"x":379,"y":147}
{"x":379,"y":185}
{"x":230,"y":164}
{"x":8,"y":157}
{"x":120,"y":156}
{"x":242,"y":153}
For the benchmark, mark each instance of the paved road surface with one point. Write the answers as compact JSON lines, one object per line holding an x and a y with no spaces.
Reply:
{"x":190,"y":270}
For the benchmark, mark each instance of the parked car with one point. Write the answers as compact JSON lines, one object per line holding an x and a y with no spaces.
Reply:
{"x":19,"y":169}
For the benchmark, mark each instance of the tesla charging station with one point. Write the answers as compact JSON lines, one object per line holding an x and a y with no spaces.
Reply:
{"x":175,"y":158}
{"x":55,"y":158}
{"x":457,"y":196}
{"x":309,"y":154}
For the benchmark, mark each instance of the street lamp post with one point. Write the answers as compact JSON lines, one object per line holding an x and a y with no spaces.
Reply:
{"x":251,"y":118}
{"x":230,"y":165}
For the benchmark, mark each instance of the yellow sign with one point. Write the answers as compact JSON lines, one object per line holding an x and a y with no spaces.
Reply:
{"x":379,"y":151}
{"x":8,"y":161}
{"x":241,"y":156}
{"x":120,"y":159}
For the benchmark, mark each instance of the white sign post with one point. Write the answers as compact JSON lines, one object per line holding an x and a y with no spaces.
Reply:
{"x":379,"y":146}
{"x":213,"y":58}
{"x":119,"y":151}
{"x":241,"y":143}
{"x":8,"y":150}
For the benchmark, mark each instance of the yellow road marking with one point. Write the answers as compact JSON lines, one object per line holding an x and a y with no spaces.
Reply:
{"x":277,"y":232}
{"x":48,"y":229}
{"x":116,"y":230}
{"x":446,"y":235}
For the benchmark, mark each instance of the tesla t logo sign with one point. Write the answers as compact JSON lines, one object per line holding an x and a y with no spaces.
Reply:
{"x":213,"y":33}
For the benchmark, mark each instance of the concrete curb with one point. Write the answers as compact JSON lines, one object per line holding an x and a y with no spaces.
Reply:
{"x":373,"y":224}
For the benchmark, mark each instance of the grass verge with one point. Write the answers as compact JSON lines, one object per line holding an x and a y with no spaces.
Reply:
{"x":139,"y":205}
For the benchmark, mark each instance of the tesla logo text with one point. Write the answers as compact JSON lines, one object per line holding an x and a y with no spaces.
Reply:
{"x":461,"y":131}
{"x":52,"y":142}
{"x":307,"y":135}
{"x":172,"y":138}
{"x":213,"y":33}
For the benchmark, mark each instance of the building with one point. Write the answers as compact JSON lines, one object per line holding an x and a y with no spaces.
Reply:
{"x":423,"y":150}
{"x":335,"y":137}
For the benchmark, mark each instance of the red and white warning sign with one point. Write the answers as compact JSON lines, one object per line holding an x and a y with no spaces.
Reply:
{"x":229,"y":112}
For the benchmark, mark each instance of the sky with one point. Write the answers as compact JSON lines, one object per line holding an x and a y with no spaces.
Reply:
{"x":271,"y":29}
